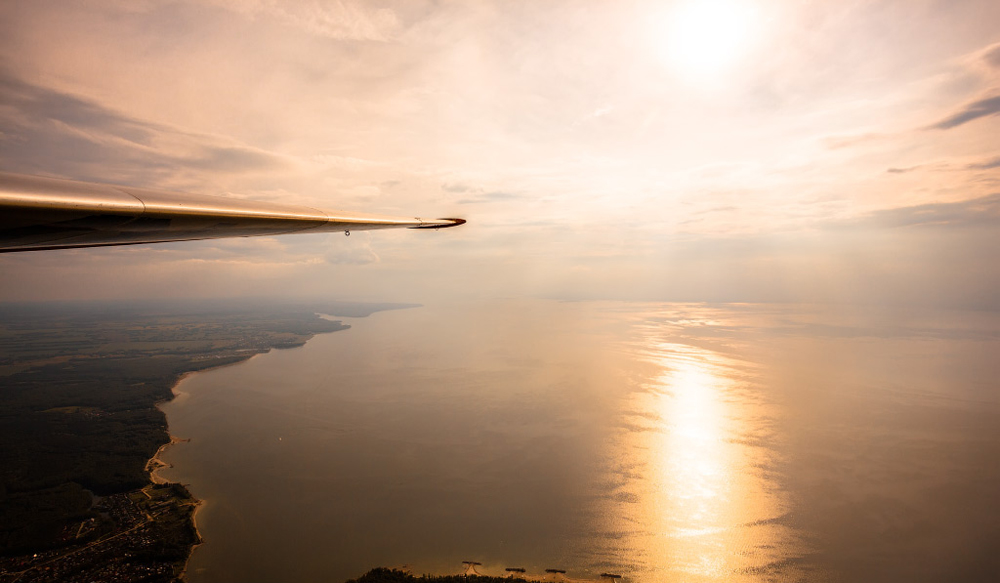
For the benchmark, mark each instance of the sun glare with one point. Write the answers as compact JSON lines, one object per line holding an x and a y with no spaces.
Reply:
{"x":703,"y":38}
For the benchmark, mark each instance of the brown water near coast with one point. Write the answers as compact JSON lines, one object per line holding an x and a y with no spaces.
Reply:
{"x":666,"y":442}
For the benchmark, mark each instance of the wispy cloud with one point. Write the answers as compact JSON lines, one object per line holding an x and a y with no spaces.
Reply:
{"x":354,"y":250}
{"x":977,"y":212}
{"x":53,"y":132}
{"x":985,"y":164}
{"x":455,"y":187}
{"x":949,"y":165}
{"x":991,"y":55}
{"x":333,"y":19}
{"x":486,"y":197}
{"x":972,"y":111}
{"x":837,"y":142}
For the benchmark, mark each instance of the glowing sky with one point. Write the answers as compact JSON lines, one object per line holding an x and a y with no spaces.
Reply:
{"x":749,"y":150}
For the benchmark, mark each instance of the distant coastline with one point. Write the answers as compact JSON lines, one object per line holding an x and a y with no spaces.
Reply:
{"x":156,"y":463}
{"x":101,"y":385}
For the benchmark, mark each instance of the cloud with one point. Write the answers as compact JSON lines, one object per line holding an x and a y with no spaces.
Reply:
{"x":972,"y":111}
{"x":985,"y":164}
{"x":353,"y":250}
{"x":991,"y":55}
{"x":30,"y":103}
{"x":425,"y":111}
{"x":336,"y":20}
{"x":477,"y":195}
{"x":233,"y":159}
{"x":455,"y":187}
{"x":978,"y":69}
{"x":948,"y":165}
{"x":489,"y":197}
{"x":50,"y":132}
{"x":344,"y":163}
{"x":836,"y":142}
{"x":595,"y":114}
{"x":982,"y":211}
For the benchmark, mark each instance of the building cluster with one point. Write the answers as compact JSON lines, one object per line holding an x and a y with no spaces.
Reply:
{"x":124,"y":554}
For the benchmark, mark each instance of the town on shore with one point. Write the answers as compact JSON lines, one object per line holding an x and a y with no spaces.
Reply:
{"x":80,"y":430}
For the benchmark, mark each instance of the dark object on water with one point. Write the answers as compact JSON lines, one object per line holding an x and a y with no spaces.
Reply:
{"x":611,"y":576}
{"x":515,"y":569}
{"x":560,"y":571}
{"x":471,"y":563}
{"x":383,"y":575}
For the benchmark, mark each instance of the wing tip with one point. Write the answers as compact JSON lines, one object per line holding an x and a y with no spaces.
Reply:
{"x":445,"y":223}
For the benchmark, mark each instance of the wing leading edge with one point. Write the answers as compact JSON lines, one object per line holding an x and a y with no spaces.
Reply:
{"x":47,"y":213}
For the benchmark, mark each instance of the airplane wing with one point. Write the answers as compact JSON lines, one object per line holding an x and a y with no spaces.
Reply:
{"x":46,"y":213}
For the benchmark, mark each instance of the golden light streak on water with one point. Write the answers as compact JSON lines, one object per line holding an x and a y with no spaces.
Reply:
{"x":700,"y":497}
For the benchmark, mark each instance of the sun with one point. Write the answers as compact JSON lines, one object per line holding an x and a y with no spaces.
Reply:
{"x":703,"y":38}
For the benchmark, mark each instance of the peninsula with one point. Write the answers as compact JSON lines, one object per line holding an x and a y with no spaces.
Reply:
{"x":79,"y":385}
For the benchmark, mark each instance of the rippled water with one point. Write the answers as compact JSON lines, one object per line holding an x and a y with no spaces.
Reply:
{"x":665,"y":442}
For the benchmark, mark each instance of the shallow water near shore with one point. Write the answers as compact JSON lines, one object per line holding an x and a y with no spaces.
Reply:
{"x":665,"y":442}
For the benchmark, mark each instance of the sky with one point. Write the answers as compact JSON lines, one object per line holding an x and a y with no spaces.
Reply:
{"x":724,"y":150}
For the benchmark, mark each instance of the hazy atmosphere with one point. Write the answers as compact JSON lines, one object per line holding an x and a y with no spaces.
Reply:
{"x":729,"y":150}
{"x":726,"y":307}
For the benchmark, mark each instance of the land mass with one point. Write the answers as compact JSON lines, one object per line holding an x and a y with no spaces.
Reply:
{"x":79,"y":385}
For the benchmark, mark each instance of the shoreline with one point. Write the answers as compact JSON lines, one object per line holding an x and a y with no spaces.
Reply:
{"x":156,"y":463}
{"x":102,"y":503}
{"x":198,"y":505}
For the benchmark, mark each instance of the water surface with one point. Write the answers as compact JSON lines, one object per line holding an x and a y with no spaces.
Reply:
{"x":666,"y":442}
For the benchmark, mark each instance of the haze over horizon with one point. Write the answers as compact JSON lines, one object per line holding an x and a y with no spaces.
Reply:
{"x":753,"y":150}
{"x":789,"y":211}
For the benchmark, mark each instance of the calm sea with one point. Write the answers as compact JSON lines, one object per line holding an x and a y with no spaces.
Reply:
{"x":663,"y":442}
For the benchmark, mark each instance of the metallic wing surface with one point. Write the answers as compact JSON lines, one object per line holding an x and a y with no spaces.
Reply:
{"x":46,"y":213}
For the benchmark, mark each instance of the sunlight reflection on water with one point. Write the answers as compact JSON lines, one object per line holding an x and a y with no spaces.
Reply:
{"x":669,"y":443}
{"x":695,"y":458}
